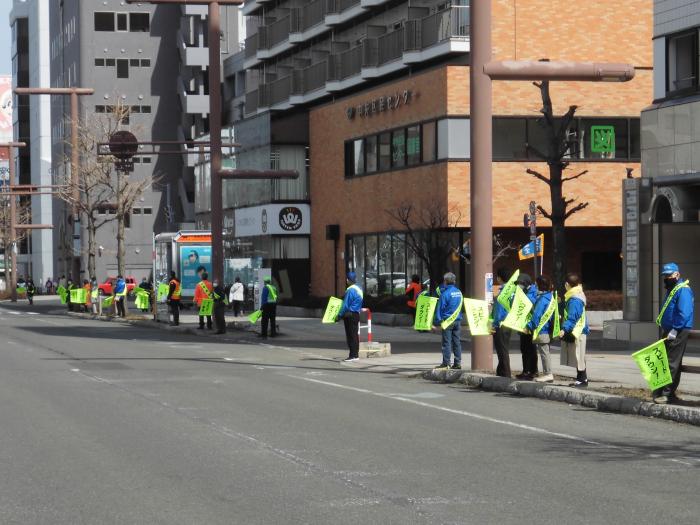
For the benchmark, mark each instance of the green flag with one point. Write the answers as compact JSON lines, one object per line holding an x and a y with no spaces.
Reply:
{"x":477,"y":316}
{"x":142,"y":300}
{"x":60,"y":290}
{"x":163,"y":290}
{"x":507,"y":290}
{"x":332,"y":309}
{"x":518,"y":316}
{"x":64,"y":296}
{"x":78,"y":296}
{"x":653,"y":363}
{"x":137,"y":290}
{"x":425,"y":312}
{"x":253,"y":318}
{"x":207,"y":307}
{"x":107,"y":301}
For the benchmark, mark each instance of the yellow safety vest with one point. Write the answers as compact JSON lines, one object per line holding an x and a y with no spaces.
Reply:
{"x":676,"y":289}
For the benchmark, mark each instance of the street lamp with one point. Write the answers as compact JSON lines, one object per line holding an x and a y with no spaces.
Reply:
{"x":482,"y":72}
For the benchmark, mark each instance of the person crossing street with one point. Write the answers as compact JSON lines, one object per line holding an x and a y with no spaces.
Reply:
{"x":31,"y":291}
{"x":202,"y":291}
{"x":268,"y":304}
{"x":676,"y":322}
{"x":350,"y":314}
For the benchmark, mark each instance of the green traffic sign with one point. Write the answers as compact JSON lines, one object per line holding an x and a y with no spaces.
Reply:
{"x":603,"y":139}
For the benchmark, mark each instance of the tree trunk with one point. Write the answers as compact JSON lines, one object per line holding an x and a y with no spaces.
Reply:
{"x":121,"y":252}
{"x":91,"y":248}
{"x":558,"y":227}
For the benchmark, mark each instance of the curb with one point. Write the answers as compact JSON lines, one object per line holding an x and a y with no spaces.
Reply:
{"x":587,"y":398}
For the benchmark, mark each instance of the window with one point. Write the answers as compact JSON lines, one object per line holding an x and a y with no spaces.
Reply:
{"x":429,"y":142}
{"x":371,"y":154}
{"x":145,"y":109}
{"x":104,"y":21}
{"x":145,"y":62}
{"x":134,"y":62}
{"x":398,"y":148}
{"x":349,"y":159}
{"x":621,"y":135}
{"x":110,"y":62}
{"x":358,"y":157}
{"x":135,"y":109}
{"x":384,"y":281}
{"x":121,"y":22}
{"x":148,"y":211}
{"x":385,"y":151}
{"x":509,"y":138}
{"x":136,"y":211}
{"x":146,"y":160}
{"x":99,"y":62}
{"x":682,"y":57}
{"x":127,"y":220}
{"x":100,"y":109}
{"x":139,"y":22}
{"x":122,"y":68}
{"x":413,"y":145}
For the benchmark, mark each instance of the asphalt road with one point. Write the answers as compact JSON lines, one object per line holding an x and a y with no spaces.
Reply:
{"x":104,"y":424}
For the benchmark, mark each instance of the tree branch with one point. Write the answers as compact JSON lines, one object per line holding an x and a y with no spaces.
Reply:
{"x":580,"y":206}
{"x":574,"y":176}
{"x":538,"y":175}
{"x":544,"y":213}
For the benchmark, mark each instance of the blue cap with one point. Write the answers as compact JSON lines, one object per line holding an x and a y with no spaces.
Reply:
{"x":352,"y":276}
{"x":669,"y":268}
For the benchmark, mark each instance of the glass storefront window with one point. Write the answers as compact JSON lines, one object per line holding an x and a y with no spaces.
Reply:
{"x":384,"y":265}
{"x":398,"y":148}
{"x":385,"y":151}
{"x":509,"y":138}
{"x":359,"y":156}
{"x":413,"y":145}
{"x":398,"y":265}
{"x":356,"y":259}
{"x":371,"y":154}
{"x":621,"y":138}
{"x":371,"y":265}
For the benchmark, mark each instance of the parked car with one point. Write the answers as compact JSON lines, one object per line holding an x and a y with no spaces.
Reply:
{"x":107,"y":286}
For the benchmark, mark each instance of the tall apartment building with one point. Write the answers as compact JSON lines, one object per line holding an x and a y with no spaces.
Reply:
{"x":378,"y":91}
{"x":662,"y":209}
{"x":29,"y":22}
{"x":153,"y":59}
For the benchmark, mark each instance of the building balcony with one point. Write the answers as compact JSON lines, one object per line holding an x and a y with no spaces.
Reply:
{"x":192,"y":103}
{"x":192,"y":56}
{"x":341,"y":11}
{"x":195,"y":10}
{"x":251,"y":45}
{"x":251,"y":6}
{"x":251,"y":102}
{"x":344,"y":69}
{"x":274,"y":38}
{"x":308,"y":21}
{"x":373,"y":3}
{"x":437,"y":35}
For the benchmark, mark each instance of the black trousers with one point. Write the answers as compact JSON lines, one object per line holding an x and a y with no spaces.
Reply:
{"x":675,"y":349}
{"x":237,"y":308}
{"x":269,"y":316}
{"x":529,"y":352}
{"x":351,"y":320}
{"x":175,"y":310}
{"x":220,"y":317}
{"x":501,"y":340}
{"x":121,"y":312}
{"x":201,"y":321}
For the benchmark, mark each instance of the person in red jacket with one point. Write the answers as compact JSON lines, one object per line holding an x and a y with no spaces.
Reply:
{"x":412,"y":292}
{"x":202,"y":291}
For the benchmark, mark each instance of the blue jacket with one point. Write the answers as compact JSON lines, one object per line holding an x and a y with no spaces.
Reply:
{"x":679,"y":314}
{"x":119,"y":286}
{"x":451,"y":299}
{"x":541,"y":305}
{"x":531,"y":293}
{"x":500,"y":313}
{"x":352,"y":300}
{"x":575,"y":307}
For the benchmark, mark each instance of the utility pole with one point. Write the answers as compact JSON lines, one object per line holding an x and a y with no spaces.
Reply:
{"x":74,"y":93}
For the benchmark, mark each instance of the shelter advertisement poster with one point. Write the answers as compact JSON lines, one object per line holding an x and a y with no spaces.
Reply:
{"x":194,"y":259}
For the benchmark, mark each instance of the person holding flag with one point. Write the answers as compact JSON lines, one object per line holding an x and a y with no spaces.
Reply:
{"x":527,"y":346}
{"x":502,"y":334}
{"x":574,"y":330}
{"x":545,"y":316}
{"x":350,"y":314}
{"x":448,"y":316}
{"x":676,"y":321}
{"x":202,"y":291}
{"x":268,"y":305}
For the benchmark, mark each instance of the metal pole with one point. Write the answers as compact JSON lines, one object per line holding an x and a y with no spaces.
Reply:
{"x":481,"y":208}
{"x":13,"y":232}
{"x":217,"y":241}
{"x":533,"y":235}
{"x":74,"y":151}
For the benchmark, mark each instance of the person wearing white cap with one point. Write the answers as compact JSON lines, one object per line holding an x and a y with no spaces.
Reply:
{"x":676,"y":321}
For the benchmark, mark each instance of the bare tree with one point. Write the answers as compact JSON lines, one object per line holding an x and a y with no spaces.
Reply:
{"x":558,"y":147}
{"x":100,"y":187}
{"x":23,"y":216}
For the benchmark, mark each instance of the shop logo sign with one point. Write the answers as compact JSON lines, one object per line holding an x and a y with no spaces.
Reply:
{"x":290,"y":218}
{"x":382,"y":104}
{"x":603,"y":139}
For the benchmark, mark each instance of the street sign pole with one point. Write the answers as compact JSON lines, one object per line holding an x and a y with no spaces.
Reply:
{"x":533,"y":234}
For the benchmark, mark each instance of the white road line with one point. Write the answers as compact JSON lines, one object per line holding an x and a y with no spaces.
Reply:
{"x":481,"y":417}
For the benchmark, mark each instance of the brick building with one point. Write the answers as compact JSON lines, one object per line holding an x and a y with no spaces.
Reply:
{"x":388,"y":125}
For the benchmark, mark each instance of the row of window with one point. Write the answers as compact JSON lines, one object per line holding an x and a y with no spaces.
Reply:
{"x":132,"y":109}
{"x":134,"y":22}
{"x":428,"y":142}
{"x":133,"y":62}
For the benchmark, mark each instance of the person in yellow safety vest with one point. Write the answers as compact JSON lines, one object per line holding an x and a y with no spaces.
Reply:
{"x":70,"y":286}
{"x":95,"y":296}
{"x":88,"y":295}
{"x":202,"y":291}
{"x":174,"y":291}
{"x":574,"y":330}
{"x":268,"y":304}
{"x":120,"y":295}
{"x":220,"y":302}
{"x":676,"y":321}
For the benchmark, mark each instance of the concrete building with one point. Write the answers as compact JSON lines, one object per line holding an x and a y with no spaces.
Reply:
{"x":379,"y":94}
{"x":154,"y":60}
{"x":31,"y":57}
{"x":662,"y":209}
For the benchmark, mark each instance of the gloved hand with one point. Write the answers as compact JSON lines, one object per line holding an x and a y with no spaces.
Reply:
{"x":672,"y":335}
{"x":569,"y":337}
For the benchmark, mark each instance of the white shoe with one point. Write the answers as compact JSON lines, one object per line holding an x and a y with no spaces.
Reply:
{"x":350,"y":360}
{"x":548,"y":378}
